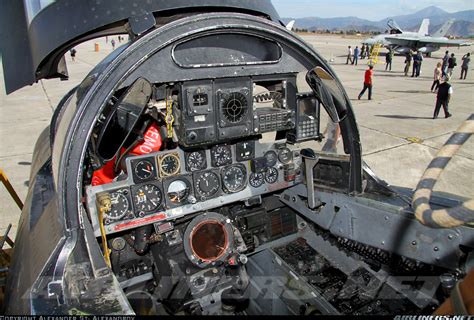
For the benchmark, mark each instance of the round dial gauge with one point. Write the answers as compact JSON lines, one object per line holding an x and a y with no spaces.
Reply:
{"x":222,"y":155}
{"x":147,"y":198}
{"x":169,"y":165}
{"x":178,"y":191}
{"x":234,"y":178}
{"x":207,"y":184}
{"x":285,"y":156}
{"x":196,"y":160}
{"x":271,"y":157}
{"x":256,"y":179}
{"x":271,"y":175}
{"x":144,"y":169}
{"x":245,"y":150}
{"x":120,"y":206}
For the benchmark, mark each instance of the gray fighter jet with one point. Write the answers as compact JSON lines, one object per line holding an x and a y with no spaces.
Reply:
{"x":403,"y":41}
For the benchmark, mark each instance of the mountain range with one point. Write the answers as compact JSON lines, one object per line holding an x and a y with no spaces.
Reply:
{"x":462,"y":27}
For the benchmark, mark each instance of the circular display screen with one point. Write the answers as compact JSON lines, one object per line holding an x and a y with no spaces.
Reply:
{"x":209,"y":240}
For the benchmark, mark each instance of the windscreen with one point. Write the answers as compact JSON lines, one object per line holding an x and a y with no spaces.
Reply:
{"x":33,"y":7}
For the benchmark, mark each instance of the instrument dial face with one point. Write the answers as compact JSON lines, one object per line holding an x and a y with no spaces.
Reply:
{"x":245,"y":150}
{"x":221,"y":156}
{"x":147,"y":198}
{"x":271,"y":157}
{"x":144,"y":170}
{"x":234,"y":178}
{"x":170,"y":164}
{"x":178,"y":191}
{"x":271,"y":175}
{"x":196,"y":160}
{"x":285,"y":155}
{"x":206,"y":184}
{"x":120,"y":205}
{"x":256,"y":180}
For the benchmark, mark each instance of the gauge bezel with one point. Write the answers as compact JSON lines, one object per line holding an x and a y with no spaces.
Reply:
{"x":134,"y":163}
{"x":187,"y":178}
{"x":203,"y":165}
{"x":135,"y":189}
{"x":201,"y":196}
{"x":245,"y":180}
{"x":160,"y":158}
{"x":280,"y":155}
{"x":271,"y":164}
{"x":267,"y":174}
{"x":255,"y":174}
{"x":213,"y":155}
{"x":238,"y":148}
{"x":125,"y":192}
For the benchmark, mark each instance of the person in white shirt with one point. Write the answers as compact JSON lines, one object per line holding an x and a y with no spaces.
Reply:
{"x":349,"y":55}
{"x":436,"y":77}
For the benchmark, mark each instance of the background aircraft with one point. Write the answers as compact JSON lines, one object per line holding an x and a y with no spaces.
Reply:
{"x":403,"y":41}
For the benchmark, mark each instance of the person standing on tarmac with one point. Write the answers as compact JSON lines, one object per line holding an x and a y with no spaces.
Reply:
{"x":445,"y":90}
{"x":436,"y":77}
{"x":465,"y":65}
{"x":451,"y":64}
{"x":444,"y":67}
{"x":388,"y":60}
{"x":408,"y":59}
{"x":356,"y":55}
{"x":362,"y":52}
{"x":349,"y":55}
{"x":367,"y":82}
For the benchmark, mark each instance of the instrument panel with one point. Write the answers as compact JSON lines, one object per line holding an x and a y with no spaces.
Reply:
{"x":220,"y":157}
{"x":169,"y":184}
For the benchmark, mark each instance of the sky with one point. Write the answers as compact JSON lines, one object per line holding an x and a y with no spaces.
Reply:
{"x":365,"y":9}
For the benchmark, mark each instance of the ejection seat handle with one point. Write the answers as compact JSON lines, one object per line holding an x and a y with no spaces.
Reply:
{"x":310,"y":160}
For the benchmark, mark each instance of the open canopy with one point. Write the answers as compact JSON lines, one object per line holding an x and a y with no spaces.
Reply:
{"x":36,"y":33}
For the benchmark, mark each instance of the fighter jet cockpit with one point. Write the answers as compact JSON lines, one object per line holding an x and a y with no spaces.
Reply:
{"x":212,"y":166}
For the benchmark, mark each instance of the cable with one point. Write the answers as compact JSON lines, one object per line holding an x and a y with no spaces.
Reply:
{"x":443,"y":218}
{"x":104,"y":206}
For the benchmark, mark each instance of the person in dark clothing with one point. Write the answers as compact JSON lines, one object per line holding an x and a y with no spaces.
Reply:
{"x":415,"y":65}
{"x":451,"y":64}
{"x":73,"y":54}
{"x":420,"y":61}
{"x":408,"y":59}
{"x":367,"y":82}
{"x":362,"y":52}
{"x":417,"y":60}
{"x":465,"y":65}
{"x":444,"y":67}
{"x":388,"y":60}
{"x":445,"y":90}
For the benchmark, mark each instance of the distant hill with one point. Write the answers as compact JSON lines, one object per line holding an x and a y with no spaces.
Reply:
{"x":462,"y":27}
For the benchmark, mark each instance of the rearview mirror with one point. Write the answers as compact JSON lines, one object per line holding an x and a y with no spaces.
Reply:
{"x":328,"y":92}
{"x":121,"y":121}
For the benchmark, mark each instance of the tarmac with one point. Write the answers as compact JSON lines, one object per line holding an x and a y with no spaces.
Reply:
{"x":401,"y":109}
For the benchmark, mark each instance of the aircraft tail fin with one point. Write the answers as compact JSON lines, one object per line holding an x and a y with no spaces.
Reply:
{"x":424,"y":27}
{"x":441,"y":32}
{"x":290,"y":25}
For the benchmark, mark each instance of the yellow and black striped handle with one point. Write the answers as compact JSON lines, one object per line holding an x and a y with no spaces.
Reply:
{"x":443,"y":218}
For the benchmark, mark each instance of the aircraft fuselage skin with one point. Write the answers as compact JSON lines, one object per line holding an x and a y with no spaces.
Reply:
{"x":403,"y":49}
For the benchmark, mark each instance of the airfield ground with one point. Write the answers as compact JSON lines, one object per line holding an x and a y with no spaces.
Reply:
{"x":401,"y":108}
